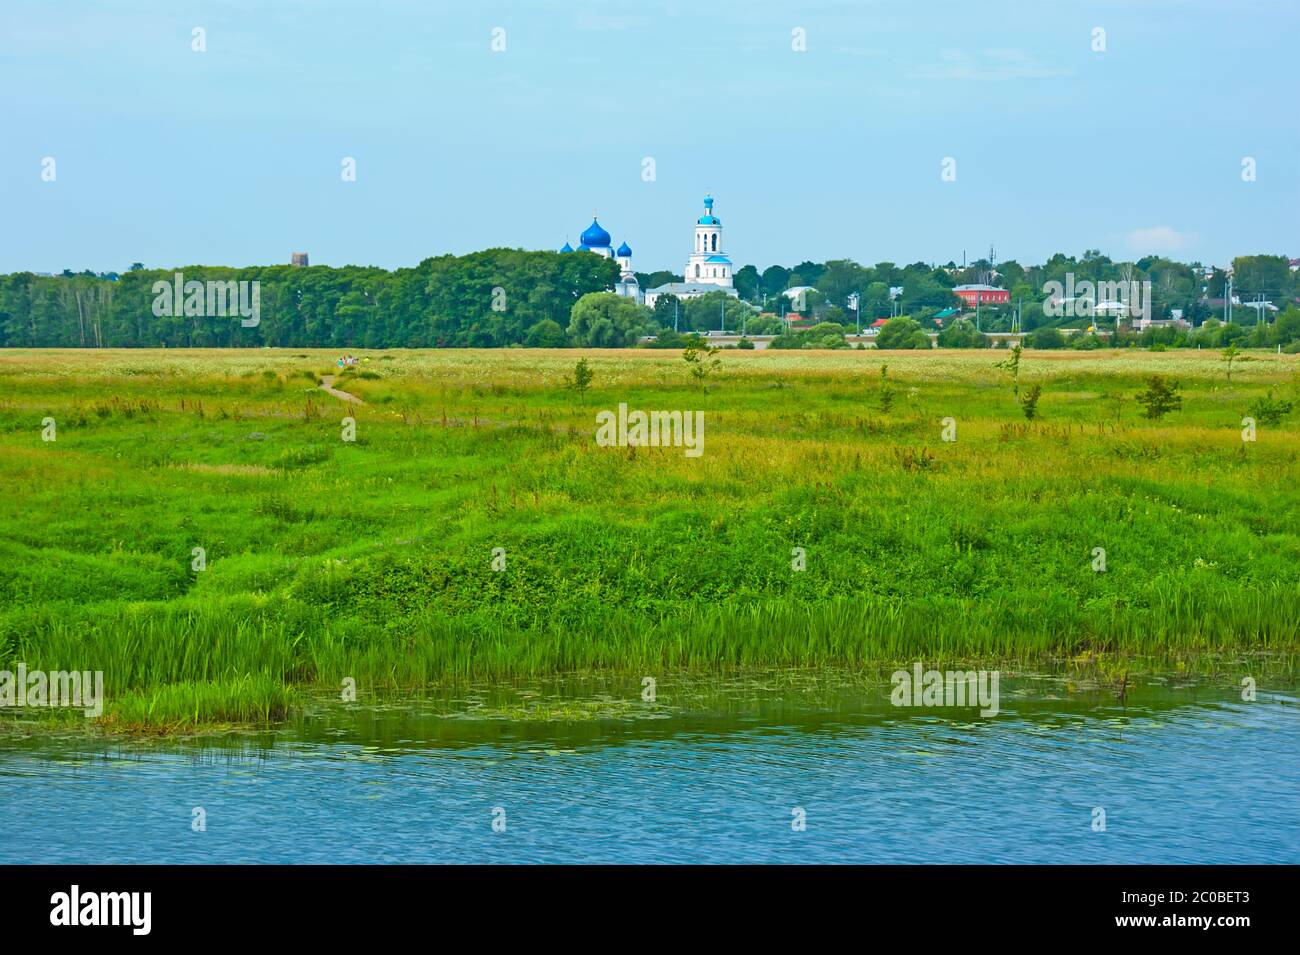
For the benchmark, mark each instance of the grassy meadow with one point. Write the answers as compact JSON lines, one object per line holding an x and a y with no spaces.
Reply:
{"x":372,"y":559}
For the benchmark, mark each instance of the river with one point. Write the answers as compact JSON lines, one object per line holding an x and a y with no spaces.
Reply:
{"x":793,"y":768}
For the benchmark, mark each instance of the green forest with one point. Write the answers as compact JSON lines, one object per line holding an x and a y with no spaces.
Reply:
{"x":511,"y":297}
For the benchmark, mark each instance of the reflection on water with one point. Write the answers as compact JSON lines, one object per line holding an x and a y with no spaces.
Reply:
{"x":711,"y":771}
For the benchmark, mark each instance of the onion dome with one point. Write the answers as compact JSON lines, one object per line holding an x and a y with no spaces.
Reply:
{"x":624,"y":252}
{"x":708,"y":218}
{"x":595,"y":237}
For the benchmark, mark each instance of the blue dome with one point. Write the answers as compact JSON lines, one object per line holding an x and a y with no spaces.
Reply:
{"x":567,"y":248}
{"x":583,"y":247}
{"x":595,"y":236}
{"x":624,"y":252}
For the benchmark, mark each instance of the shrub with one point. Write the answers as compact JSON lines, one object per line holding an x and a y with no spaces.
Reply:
{"x":1269,"y":410}
{"x":1047,"y":338}
{"x":1029,"y":403}
{"x":962,"y":334}
{"x":901,"y":332}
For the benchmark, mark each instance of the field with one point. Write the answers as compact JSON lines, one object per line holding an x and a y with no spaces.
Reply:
{"x":373,"y":559}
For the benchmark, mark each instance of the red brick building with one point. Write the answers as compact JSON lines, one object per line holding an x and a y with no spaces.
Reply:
{"x":974,"y":295}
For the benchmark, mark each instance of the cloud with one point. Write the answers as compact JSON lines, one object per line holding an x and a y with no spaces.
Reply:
{"x":988,"y":65}
{"x":1159,"y":238}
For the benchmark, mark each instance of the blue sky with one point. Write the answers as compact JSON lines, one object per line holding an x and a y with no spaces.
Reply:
{"x":233,"y":156}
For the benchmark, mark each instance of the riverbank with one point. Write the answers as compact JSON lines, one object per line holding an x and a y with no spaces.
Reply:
{"x":203,"y":531}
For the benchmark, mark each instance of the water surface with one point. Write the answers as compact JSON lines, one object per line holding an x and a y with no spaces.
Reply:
{"x":709,"y":772}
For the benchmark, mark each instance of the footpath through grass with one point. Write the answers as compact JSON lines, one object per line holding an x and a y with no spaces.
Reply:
{"x":374,"y":559}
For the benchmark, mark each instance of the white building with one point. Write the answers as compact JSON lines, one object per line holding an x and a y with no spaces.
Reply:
{"x":707,"y":269}
{"x":597,"y":240}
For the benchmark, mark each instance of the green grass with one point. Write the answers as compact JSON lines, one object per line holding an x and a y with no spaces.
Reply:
{"x":372,"y":559}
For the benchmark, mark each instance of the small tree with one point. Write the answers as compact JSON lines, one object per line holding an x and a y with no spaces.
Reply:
{"x":582,"y":375}
{"x":702,"y":360}
{"x":1029,"y":403}
{"x":1230,"y":354}
{"x":886,"y":392}
{"x":1160,"y":397}
{"x":1012,"y":364}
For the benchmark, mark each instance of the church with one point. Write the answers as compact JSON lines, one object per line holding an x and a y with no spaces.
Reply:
{"x":597,"y":240}
{"x":707,"y":268}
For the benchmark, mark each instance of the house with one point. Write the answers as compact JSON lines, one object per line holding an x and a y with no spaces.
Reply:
{"x":1142,"y":324}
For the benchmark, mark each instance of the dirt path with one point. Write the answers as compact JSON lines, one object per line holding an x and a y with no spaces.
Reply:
{"x":327,"y":386}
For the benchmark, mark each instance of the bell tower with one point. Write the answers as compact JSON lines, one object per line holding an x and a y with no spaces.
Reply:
{"x":708,"y":264}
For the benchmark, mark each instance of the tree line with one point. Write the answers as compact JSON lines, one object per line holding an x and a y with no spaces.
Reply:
{"x":510,"y":297}
{"x":482,"y":300}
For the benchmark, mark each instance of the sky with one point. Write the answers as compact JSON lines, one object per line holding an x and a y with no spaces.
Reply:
{"x":235,"y":155}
